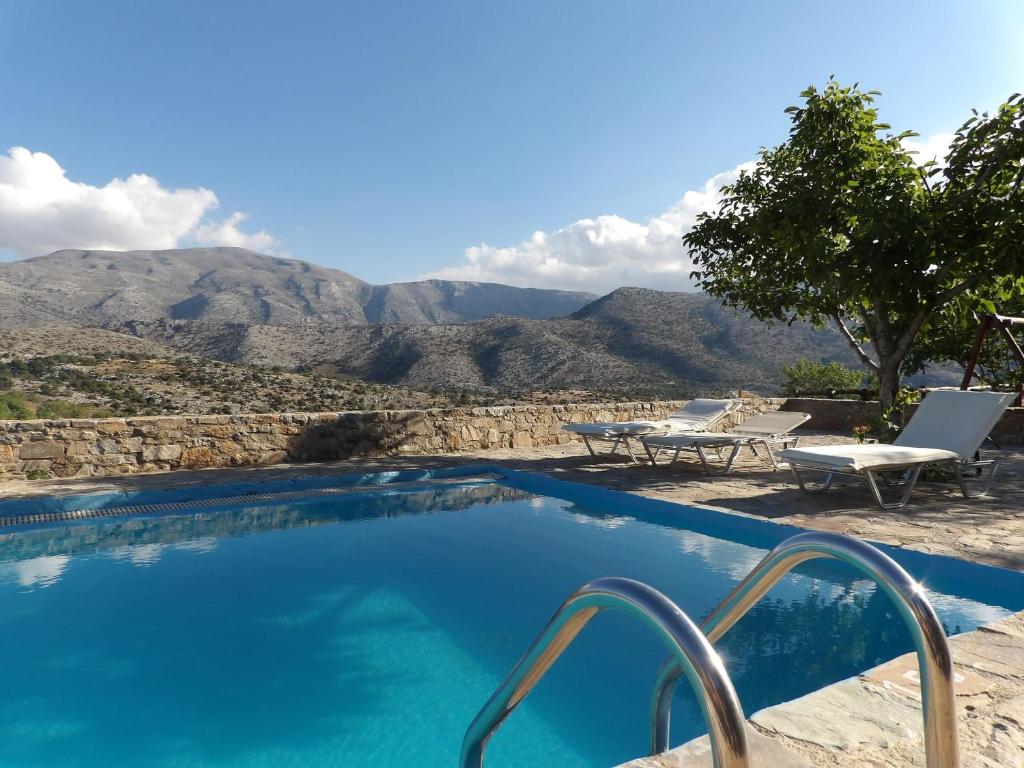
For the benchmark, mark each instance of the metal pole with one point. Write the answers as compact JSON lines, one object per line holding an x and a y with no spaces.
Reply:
{"x":692,"y":654}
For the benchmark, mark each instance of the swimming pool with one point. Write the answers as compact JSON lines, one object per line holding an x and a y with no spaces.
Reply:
{"x":316,"y":624}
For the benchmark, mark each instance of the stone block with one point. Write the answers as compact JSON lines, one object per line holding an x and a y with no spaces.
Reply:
{"x":273,"y":457}
{"x":112,"y":426}
{"x":522,"y":440}
{"x":40,"y":450}
{"x":162,"y":452}
{"x":80,"y":448}
{"x":200,"y":456}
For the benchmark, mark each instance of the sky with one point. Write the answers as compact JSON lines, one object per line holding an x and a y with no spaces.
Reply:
{"x":547,"y":144}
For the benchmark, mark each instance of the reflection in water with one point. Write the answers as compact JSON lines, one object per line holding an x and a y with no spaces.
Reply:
{"x":38,"y":555}
{"x":782,"y":646}
{"x":140,"y":554}
{"x":34,"y":572}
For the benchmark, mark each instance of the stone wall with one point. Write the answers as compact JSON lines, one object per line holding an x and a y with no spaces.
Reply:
{"x":83,"y":447}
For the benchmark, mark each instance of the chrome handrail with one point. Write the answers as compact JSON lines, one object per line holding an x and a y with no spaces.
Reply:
{"x":691,"y":650}
{"x":933,"y":655}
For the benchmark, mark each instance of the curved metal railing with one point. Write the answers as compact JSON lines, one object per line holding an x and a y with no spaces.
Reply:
{"x":692,"y":656}
{"x":934,"y":659}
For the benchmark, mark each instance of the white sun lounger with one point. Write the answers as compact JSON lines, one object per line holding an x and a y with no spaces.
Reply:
{"x":948,"y":428}
{"x":698,"y":415}
{"x":767,"y":430}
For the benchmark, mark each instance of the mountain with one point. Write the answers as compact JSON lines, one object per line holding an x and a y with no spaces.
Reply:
{"x":236,"y":306}
{"x":634,"y":341}
{"x":234,"y":285}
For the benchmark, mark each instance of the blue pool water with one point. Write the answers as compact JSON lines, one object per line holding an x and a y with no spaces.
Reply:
{"x":367,"y":630}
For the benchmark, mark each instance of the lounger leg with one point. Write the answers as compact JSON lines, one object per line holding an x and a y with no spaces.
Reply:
{"x":629,"y":448}
{"x":586,"y":441}
{"x":909,"y":483}
{"x":753,"y":450}
{"x":984,"y":483}
{"x":615,"y":446}
{"x":767,"y":450}
{"x":652,"y":455}
{"x":805,"y":487}
{"x":708,"y":467}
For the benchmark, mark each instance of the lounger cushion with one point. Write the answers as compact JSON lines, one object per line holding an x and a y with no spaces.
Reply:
{"x":690,"y":440}
{"x":863,"y":456}
{"x":615,"y":429}
{"x":631,"y":428}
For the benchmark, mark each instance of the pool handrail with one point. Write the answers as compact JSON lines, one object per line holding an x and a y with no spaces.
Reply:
{"x":691,"y":651}
{"x":934,"y":659}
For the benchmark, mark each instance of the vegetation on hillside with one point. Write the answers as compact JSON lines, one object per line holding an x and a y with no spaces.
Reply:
{"x":106,"y":384}
{"x":808,"y":377}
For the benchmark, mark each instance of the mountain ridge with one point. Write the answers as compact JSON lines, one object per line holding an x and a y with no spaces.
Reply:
{"x":238,"y":306}
{"x":108,"y":288}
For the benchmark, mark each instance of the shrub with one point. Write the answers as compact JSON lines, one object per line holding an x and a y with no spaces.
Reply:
{"x":14,"y":405}
{"x":808,"y":376}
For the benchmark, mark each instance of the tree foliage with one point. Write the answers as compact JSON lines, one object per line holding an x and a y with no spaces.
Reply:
{"x":840,"y":224}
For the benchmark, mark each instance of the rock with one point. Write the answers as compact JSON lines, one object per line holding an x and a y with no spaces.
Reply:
{"x":522,"y":440}
{"x":41,"y":450}
{"x":162,"y":452}
{"x":112,"y":426}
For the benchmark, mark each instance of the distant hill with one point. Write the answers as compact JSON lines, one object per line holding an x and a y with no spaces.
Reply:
{"x":633,"y":341}
{"x":234,"y":285}
{"x":236,"y":306}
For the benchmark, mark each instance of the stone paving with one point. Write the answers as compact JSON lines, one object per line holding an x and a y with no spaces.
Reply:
{"x":872,"y":721}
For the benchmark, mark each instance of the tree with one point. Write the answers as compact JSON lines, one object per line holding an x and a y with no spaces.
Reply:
{"x":839,"y":224}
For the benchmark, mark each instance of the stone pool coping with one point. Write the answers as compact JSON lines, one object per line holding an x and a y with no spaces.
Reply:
{"x":874,"y":720}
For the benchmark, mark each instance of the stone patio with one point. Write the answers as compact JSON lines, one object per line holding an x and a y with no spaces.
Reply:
{"x":872,"y":721}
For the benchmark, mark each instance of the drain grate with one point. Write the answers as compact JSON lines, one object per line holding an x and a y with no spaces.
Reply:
{"x":246,"y":498}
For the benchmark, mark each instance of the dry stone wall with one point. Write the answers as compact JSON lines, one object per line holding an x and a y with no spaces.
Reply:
{"x":84,"y":447}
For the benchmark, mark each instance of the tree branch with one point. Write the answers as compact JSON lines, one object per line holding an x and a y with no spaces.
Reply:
{"x":864,"y":357}
{"x":906,"y":340}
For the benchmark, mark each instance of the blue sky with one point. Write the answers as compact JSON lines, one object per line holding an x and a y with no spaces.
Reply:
{"x":386,"y":138}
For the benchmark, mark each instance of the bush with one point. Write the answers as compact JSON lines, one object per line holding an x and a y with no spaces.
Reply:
{"x":13,"y":405}
{"x":61,"y":409}
{"x":807,"y":376}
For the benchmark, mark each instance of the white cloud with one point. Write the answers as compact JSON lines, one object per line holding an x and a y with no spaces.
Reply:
{"x":42,"y":210}
{"x":609,"y":251}
{"x":602,"y":253}
{"x":228,"y":233}
{"x":932,"y":148}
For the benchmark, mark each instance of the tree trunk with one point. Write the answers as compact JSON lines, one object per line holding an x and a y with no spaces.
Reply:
{"x":888,"y":383}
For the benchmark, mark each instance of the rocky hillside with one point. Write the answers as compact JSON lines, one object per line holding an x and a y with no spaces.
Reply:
{"x":634,"y":341}
{"x":474,"y":341}
{"x":233,"y":285}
